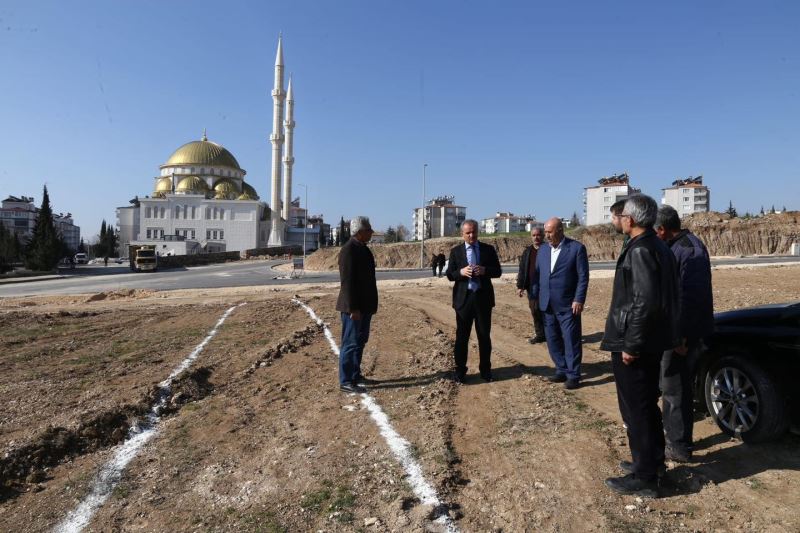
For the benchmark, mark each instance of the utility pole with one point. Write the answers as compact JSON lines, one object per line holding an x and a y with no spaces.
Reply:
{"x":422,"y":242}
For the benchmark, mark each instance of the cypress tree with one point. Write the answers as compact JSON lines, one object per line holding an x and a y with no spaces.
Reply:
{"x":45,"y":247}
{"x":6,"y":249}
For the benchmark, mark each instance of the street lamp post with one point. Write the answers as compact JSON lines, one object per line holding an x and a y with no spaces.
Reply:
{"x":305,"y":223}
{"x":422,"y":242}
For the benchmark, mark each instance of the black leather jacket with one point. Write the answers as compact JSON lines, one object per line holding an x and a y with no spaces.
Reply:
{"x":643,"y":317}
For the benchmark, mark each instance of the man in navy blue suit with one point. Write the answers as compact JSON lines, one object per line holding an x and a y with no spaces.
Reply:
{"x":560,"y":282}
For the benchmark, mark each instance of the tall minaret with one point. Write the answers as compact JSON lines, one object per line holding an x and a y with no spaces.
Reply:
{"x":276,"y":233}
{"x":288,"y":159}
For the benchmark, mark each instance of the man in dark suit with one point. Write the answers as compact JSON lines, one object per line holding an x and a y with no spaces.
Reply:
{"x":560,"y":283}
{"x":357,"y":302}
{"x":527,"y":271}
{"x":471,"y":266}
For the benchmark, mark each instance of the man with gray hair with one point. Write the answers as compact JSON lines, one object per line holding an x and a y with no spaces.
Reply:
{"x":695,"y":324}
{"x":640,"y":326}
{"x":357,"y":302}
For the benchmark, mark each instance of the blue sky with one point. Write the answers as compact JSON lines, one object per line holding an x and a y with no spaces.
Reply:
{"x":515,"y":106}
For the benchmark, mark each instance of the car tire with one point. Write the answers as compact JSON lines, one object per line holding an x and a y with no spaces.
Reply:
{"x":744,"y":400}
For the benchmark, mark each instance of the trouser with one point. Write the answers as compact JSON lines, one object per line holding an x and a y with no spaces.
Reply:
{"x":677,"y":398}
{"x":433,"y":268}
{"x":563,"y":332}
{"x":536,"y":314}
{"x":479,"y":311}
{"x":355,"y":334}
{"x":637,"y":390}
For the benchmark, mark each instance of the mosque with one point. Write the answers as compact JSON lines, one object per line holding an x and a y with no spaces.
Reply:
{"x":201,"y":203}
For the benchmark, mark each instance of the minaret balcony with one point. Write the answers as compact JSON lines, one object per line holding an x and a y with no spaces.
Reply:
{"x":279,"y":93}
{"x":276,"y":137}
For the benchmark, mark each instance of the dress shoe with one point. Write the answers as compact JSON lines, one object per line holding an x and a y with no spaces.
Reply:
{"x":487,"y":379}
{"x":677,"y":456}
{"x":557,"y":378}
{"x":536,"y":339}
{"x":459,"y":378}
{"x":627,"y":467}
{"x":572,"y":384}
{"x":630,"y":484}
{"x":351,"y":388}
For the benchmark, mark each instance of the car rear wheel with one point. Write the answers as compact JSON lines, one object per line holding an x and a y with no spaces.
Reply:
{"x":744,"y":400}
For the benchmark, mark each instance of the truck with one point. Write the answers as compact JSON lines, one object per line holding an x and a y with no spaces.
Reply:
{"x":142,"y":258}
{"x":81,"y":258}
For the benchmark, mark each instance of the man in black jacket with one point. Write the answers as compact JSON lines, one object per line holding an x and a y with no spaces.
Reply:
{"x":527,"y":270}
{"x":641,"y":325}
{"x":695,"y":323}
{"x":357,"y":302}
{"x":471,"y":266}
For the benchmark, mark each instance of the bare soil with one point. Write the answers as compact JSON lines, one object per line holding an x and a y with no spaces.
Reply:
{"x":259,"y":438}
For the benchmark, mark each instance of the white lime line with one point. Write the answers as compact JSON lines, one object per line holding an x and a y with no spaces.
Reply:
{"x":138,"y":436}
{"x":400,"y":447}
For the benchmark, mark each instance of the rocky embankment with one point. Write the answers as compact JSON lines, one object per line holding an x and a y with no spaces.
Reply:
{"x":769,"y":234}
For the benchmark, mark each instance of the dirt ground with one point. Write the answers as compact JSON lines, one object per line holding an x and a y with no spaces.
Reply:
{"x":257,"y":436}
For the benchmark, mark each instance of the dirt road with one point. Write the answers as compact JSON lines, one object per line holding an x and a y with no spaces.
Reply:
{"x":257,"y":437}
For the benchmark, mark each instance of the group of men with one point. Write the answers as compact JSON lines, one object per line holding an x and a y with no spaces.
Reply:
{"x":661,"y":310}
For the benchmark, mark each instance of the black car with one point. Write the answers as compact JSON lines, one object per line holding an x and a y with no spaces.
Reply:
{"x":748,"y":374}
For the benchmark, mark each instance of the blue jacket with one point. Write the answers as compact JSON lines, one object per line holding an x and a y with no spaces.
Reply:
{"x":696,"y":308}
{"x":570,"y":278}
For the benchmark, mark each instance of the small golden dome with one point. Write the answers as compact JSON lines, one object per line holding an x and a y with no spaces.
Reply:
{"x":249,"y":191}
{"x":203,"y":152}
{"x":245,"y":196}
{"x":163,"y":185}
{"x":225,"y":190}
{"x":192,"y":184}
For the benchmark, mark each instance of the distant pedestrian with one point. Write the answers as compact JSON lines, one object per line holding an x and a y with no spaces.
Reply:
{"x":640,"y":326}
{"x":695,"y":324}
{"x":560,"y":284}
{"x":441,"y":261}
{"x":472,"y":266}
{"x":357,"y":302}
{"x":525,"y":278}
{"x":105,"y":261}
{"x":434,"y":264}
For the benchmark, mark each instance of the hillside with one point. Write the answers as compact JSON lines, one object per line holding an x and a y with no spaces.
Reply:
{"x":770,"y":234}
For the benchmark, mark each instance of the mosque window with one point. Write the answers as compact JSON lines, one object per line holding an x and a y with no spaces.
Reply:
{"x":202,"y":170}
{"x":147,"y":212}
{"x":222,"y":214}
{"x":177,"y":211}
{"x":194,"y":212}
{"x":208,"y":213}
{"x":221,"y":234}
{"x":192,"y":170}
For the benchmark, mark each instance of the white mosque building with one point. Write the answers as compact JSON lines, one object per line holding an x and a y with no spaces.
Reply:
{"x":201,"y":202}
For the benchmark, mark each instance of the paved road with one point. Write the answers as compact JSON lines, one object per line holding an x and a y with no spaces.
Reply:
{"x":90,"y":278}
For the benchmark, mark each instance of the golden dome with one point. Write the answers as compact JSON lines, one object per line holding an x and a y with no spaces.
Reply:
{"x":163,"y":185}
{"x":245,"y":196}
{"x":225,"y":190}
{"x":202,"y":152}
{"x":191,"y":184}
{"x":249,"y":191}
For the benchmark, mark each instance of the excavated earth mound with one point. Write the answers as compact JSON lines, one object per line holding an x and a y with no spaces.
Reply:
{"x":724,"y":236}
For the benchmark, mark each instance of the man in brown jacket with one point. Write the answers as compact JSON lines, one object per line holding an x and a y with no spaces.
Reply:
{"x":525,"y":276}
{"x":357,"y":302}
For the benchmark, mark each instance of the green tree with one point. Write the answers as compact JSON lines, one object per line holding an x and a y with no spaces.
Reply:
{"x":391,"y":235}
{"x":574,"y":222}
{"x":772,"y":210}
{"x":731,"y":210}
{"x":7,"y":252}
{"x":45,"y":246}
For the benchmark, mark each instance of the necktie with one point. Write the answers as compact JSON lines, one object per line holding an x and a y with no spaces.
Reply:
{"x":472,"y":260}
